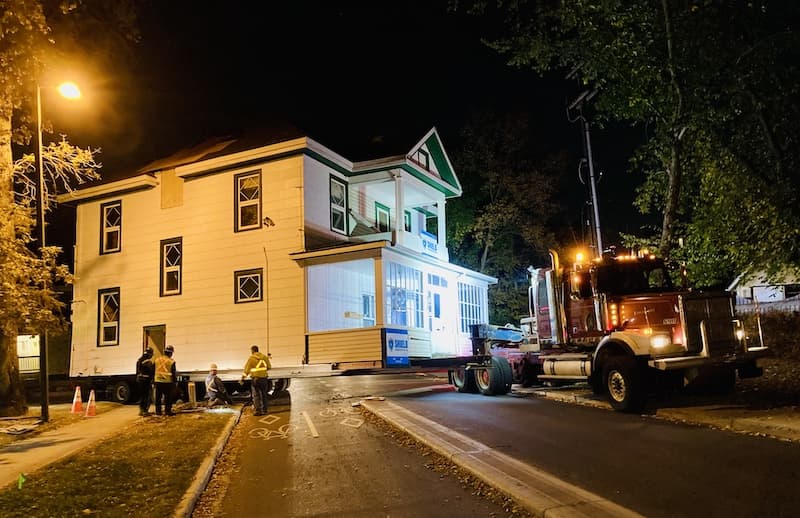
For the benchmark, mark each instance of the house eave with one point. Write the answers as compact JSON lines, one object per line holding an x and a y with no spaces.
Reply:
{"x":127,"y":185}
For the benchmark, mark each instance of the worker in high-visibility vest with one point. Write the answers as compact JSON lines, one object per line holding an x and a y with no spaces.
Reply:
{"x":165,"y":378}
{"x":256,"y":367}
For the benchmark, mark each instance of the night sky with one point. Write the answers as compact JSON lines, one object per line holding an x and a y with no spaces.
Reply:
{"x":207,"y":68}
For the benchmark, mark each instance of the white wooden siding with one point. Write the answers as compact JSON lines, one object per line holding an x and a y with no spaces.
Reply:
{"x":203,"y":323}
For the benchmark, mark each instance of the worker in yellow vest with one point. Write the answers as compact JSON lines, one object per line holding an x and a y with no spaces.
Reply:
{"x":256,"y":367}
{"x":165,"y":378}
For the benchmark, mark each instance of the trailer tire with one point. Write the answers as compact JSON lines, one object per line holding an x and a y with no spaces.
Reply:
{"x":508,"y":375}
{"x":464,"y":380}
{"x":623,"y":383}
{"x":281,"y":385}
{"x":122,"y":392}
{"x":491,"y":381}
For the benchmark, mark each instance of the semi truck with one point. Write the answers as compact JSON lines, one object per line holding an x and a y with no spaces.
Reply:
{"x":618,"y":323}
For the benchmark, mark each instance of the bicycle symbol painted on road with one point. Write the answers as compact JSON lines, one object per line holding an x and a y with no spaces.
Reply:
{"x":266,"y":434}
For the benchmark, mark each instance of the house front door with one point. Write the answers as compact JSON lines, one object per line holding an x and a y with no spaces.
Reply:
{"x":440,"y":322}
{"x":155,"y":337}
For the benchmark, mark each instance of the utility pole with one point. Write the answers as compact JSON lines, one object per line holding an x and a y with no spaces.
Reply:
{"x":577,"y":105}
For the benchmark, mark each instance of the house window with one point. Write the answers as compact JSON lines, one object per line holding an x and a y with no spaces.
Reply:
{"x":406,"y":221}
{"x":404,"y":304}
{"x":472,"y":306}
{"x":367,"y":310}
{"x":249,"y":285}
{"x":382,"y":216}
{"x":422,"y":158}
{"x":171,"y":266}
{"x":338,"y":206}
{"x":248,"y":201}
{"x":108,"y":316}
{"x":111,"y":218}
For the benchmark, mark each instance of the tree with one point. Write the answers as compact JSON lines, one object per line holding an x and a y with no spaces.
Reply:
{"x":28,"y":302}
{"x":713,"y":84}
{"x":503,"y":222}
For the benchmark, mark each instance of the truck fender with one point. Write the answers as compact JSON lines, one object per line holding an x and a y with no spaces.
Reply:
{"x":635,"y":344}
{"x":609,"y":347}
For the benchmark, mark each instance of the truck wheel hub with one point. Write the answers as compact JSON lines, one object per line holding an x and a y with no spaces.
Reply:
{"x":616,"y":386}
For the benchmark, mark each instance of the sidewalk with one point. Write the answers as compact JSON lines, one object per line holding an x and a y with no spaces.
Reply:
{"x":29,"y":455}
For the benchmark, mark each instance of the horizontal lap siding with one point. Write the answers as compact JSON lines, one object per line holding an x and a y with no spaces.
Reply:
{"x":358,"y":345}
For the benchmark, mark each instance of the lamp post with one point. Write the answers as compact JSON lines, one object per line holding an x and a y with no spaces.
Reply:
{"x":70,"y":91}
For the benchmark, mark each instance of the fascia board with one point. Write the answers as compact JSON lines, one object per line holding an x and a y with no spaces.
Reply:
{"x":147,"y":181}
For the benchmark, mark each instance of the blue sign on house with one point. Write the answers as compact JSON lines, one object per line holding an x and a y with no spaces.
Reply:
{"x":395,"y":343}
{"x":430,"y":243}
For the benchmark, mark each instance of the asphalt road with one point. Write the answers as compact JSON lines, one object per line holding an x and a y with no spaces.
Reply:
{"x":317,"y":455}
{"x":654,"y":467}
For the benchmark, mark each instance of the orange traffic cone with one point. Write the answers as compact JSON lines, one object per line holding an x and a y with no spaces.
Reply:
{"x":91,"y":408}
{"x":77,"y":404}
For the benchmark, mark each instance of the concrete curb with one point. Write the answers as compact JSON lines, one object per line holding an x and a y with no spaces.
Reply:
{"x":203,"y":475}
{"x":539,"y":492}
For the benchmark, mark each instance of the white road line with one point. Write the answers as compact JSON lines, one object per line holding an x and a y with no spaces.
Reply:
{"x":310,"y":424}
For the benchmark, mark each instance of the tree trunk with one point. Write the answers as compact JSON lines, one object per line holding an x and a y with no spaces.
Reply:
{"x":12,"y":395}
{"x":673,"y":197}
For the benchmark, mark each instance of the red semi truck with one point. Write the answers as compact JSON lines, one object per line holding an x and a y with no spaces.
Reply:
{"x":618,"y":323}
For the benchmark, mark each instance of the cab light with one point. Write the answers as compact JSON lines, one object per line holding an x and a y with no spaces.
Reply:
{"x":614,"y":316}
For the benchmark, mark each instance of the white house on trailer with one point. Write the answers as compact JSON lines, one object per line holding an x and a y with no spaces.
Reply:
{"x":320,"y":259}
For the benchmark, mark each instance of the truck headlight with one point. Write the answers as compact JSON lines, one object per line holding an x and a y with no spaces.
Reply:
{"x":660,"y":341}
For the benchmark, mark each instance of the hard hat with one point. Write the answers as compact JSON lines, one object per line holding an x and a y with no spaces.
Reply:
{"x":169,"y":349}
{"x":213,"y":366}
{"x":148,"y":350}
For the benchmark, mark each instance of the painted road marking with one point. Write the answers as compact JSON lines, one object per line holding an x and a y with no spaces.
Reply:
{"x":310,"y":424}
{"x":267,"y":434}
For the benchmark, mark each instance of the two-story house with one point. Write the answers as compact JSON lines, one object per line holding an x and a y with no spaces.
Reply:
{"x":319,"y":258}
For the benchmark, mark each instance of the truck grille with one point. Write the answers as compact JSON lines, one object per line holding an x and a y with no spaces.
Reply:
{"x":716,"y":310}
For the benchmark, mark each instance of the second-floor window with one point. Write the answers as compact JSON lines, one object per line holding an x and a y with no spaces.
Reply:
{"x":338,"y":206}
{"x":382,"y":218}
{"x":248,"y":201}
{"x":108,"y":316}
{"x":171,"y":266}
{"x":111,"y":221}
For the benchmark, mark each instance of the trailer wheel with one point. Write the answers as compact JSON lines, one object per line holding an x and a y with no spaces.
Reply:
{"x":281,"y":385}
{"x":464,"y":380}
{"x":122,"y":392}
{"x":492,"y":380}
{"x":623,"y":384}
{"x":508,"y":375}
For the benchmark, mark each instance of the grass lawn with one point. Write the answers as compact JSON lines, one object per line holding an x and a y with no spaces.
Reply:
{"x":142,"y":471}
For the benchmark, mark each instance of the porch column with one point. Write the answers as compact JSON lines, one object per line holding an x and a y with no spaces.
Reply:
{"x":399,"y":218}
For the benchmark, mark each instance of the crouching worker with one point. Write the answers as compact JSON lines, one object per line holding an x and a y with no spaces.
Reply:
{"x":215,"y":389}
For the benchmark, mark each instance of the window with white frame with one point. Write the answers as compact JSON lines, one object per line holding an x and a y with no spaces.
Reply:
{"x":404,"y":302}
{"x":422,"y":158}
{"x":472,"y":304}
{"x":249,"y":285}
{"x":108,"y":317}
{"x":338,"y":206}
{"x":171,"y":266}
{"x":340,"y":295}
{"x":382,"y":217}
{"x":111,"y":221}
{"x":248,"y":201}
{"x":367,"y":310}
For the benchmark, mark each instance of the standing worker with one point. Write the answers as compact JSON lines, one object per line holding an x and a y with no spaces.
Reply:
{"x":256,"y":367}
{"x":165,"y":380}
{"x":145,"y":369}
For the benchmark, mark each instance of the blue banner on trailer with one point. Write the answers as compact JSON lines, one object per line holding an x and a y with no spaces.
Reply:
{"x":395,"y":347}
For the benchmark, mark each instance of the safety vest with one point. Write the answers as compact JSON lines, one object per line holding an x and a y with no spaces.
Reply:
{"x":164,"y":369}
{"x":260,"y":370}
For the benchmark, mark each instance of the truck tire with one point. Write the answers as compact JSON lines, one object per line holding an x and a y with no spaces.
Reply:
{"x":492,"y":380}
{"x":508,"y":374}
{"x":122,"y":392}
{"x":464,"y":380}
{"x":623,"y":383}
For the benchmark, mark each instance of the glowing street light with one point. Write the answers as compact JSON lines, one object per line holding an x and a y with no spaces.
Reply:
{"x":70,"y":91}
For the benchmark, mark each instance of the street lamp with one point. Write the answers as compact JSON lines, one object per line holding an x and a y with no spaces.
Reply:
{"x":70,"y":91}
